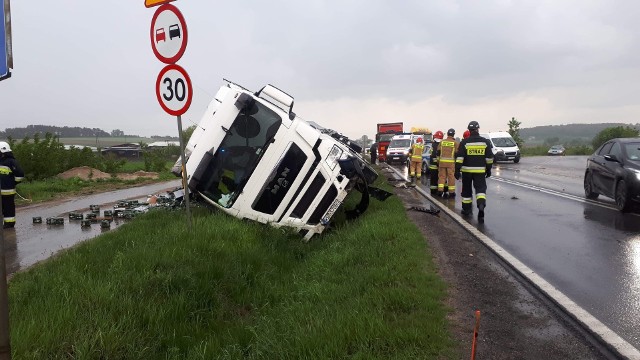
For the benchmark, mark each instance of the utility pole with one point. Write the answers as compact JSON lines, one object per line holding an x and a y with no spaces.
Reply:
{"x":5,"y":342}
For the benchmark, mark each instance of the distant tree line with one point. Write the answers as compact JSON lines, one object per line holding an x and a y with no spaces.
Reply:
{"x":567,"y":135}
{"x":66,"y":132}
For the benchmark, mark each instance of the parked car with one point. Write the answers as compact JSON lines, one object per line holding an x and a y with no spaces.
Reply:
{"x":614,"y":171}
{"x":557,"y":150}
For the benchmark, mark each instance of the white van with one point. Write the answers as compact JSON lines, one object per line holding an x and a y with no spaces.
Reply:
{"x":504,"y":147}
{"x":399,"y":147}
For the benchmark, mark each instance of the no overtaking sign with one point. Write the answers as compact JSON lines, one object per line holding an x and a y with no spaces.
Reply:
{"x":169,"y":34}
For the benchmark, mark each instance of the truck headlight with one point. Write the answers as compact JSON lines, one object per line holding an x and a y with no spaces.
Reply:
{"x":334,"y":155}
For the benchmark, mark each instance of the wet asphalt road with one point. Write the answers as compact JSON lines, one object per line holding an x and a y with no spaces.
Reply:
{"x":29,"y":243}
{"x":536,"y":210}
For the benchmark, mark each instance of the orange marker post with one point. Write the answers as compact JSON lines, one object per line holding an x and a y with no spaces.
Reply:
{"x":475,"y":335}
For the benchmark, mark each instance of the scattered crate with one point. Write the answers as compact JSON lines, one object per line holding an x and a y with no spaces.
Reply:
{"x":37,"y":219}
{"x":55,"y":221}
{"x":75,"y":216}
{"x":92,"y":216}
{"x":108,"y":213}
{"x":85,"y":223}
{"x":95,"y":209}
{"x":105,"y":224}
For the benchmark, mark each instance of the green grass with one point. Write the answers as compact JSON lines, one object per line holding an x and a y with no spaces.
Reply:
{"x":234,"y":289}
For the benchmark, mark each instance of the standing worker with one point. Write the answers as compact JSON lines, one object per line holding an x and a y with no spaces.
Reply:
{"x":474,"y":160}
{"x":446,"y":164}
{"x":10,"y":175}
{"x":415,"y":166}
{"x":373,"y":151}
{"x":433,"y":162}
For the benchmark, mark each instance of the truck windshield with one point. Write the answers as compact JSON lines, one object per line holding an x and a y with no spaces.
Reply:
{"x":238,"y":155}
{"x":384,"y":137}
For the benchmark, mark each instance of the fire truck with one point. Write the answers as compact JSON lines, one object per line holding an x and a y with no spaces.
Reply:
{"x":385,"y":133}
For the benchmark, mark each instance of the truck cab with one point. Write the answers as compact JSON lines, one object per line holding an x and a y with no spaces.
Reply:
{"x":253,"y":158}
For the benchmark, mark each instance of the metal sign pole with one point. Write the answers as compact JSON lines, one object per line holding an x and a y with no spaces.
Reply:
{"x":5,"y":344}
{"x":184,"y":171}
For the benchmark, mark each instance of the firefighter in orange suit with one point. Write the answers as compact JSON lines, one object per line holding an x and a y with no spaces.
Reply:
{"x":415,"y":166}
{"x":447,"y":164}
{"x":433,"y":162}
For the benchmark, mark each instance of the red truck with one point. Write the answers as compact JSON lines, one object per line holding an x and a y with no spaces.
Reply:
{"x":383,"y":137}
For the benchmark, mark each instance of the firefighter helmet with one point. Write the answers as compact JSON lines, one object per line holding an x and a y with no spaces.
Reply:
{"x":473,"y":125}
{"x":4,"y":147}
{"x":438,"y":135}
{"x":451,"y":132}
{"x":419,"y":140}
{"x":466,"y":134}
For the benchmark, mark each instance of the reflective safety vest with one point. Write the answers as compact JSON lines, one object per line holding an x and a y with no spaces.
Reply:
{"x":474,"y":155}
{"x":448,"y":149}
{"x":416,"y":152}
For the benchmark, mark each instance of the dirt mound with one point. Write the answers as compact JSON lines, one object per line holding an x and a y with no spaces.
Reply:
{"x":84,"y":173}
{"x":88,"y":173}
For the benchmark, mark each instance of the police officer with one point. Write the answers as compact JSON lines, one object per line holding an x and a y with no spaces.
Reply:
{"x":373,"y":151}
{"x":446,"y":164}
{"x":474,"y":160}
{"x":415,"y":165}
{"x":10,"y":175}
{"x":433,"y":162}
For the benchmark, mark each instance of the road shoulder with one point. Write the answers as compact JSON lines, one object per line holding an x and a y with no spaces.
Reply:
{"x":514,"y":324}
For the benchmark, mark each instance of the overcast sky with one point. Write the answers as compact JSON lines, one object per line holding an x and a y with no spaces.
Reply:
{"x":348,"y":64}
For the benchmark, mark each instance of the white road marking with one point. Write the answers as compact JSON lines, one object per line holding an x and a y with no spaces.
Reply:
{"x":558,"y":193}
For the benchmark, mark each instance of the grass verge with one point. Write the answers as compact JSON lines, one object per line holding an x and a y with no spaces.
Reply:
{"x":233,"y":289}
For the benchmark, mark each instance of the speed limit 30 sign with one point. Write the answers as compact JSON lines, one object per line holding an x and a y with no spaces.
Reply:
{"x":174,"y":90}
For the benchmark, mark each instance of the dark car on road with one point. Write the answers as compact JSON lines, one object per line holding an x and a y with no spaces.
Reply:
{"x":614,"y":171}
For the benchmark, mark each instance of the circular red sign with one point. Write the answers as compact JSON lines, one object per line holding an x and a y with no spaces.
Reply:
{"x":174,"y":90}
{"x":168,"y":34}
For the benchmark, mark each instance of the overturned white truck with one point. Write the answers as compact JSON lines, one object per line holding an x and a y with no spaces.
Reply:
{"x":253,"y":158}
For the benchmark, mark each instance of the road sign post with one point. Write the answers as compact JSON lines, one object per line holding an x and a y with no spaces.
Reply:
{"x":169,"y":37}
{"x":5,"y":341}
